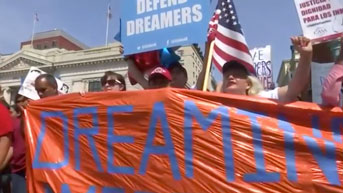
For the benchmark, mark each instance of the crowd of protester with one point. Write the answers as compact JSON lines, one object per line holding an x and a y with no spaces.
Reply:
{"x":237,"y":79}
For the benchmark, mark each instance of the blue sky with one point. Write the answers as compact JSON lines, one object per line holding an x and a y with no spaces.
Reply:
{"x":264,"y":22}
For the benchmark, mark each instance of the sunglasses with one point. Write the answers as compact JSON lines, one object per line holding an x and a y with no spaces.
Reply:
{"x":112,"y":83}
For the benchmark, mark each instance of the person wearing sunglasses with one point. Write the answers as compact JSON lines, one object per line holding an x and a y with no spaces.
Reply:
{"x":112,"y":81}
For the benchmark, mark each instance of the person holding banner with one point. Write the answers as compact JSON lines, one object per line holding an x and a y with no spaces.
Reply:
{"x":112,"y":81}
{"x":238,"y":80}
{"x":333,"y":83}
{"x":159,"y":78}
{"x":18,"y":163}
{"x":178,"y":74}
{"x":46,"y":85}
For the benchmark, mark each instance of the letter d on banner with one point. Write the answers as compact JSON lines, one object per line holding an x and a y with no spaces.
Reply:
{"x":140,"y":6}
{"x":130,"y":26}
{"x":50,"y":165}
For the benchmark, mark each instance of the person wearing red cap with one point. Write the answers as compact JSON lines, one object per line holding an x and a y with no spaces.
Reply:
{"x":237,"y":79}
{"x":177,"y":71}
{"x":159,"y":78}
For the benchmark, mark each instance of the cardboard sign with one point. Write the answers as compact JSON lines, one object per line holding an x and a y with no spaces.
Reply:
{"x":263,"y":65}
{"x":181,"y":141}
{"x":28,"y":90}
{"x":155,"y":24}
{"x":320,"y":19}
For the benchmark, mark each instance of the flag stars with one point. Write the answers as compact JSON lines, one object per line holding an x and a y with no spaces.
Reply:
{"x":230,"y":6}
{"x":235,"y":23}
{"x":226,"y":15}
{"x":228,"y":1}
{"x":227,"y":21}
{"x":233,"y":17}
{"x":223,"y":3}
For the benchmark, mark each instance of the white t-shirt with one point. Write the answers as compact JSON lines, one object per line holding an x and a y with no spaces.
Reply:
{"x":271,"y":94}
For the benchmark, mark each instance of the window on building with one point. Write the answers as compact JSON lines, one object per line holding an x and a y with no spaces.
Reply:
{"x":53,"y":44}
{"x":38,"y":46}
{"x":94,"y":86}
{"x":45,"y":46}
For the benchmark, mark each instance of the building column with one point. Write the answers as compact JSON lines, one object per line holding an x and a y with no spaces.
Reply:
{"x":7,"y":94}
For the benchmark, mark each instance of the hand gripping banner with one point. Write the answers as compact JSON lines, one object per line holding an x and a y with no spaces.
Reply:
{"x":181,"y":141}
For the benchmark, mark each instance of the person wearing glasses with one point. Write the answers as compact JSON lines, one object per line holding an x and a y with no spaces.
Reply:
{"x":112,"y":81}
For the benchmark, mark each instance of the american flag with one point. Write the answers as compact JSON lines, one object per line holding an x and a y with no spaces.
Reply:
{"x":229,"y":41}
{"x":109,"y":12}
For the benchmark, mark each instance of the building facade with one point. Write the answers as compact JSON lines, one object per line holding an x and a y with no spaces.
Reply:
{"x":80,"y":70}
{"x":54,"y":39}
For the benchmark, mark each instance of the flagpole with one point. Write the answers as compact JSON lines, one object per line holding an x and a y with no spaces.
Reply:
{"x":107,"y":24}
{"x":33,"y":29}
{"x":208,"y":60}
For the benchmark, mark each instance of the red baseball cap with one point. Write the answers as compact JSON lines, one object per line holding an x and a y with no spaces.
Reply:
{"x":162,"y":71}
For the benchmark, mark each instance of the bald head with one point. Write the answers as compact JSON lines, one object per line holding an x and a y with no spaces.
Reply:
{"x":46,"y":85}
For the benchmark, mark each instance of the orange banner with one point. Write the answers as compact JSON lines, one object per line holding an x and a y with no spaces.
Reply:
{"x":181,"y":141}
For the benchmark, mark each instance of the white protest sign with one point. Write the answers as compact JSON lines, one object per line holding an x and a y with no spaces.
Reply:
{"x":319,"y":73}
{"x":320,"y":19}
{"x":263,"y":65}
{"x":28,"y":90}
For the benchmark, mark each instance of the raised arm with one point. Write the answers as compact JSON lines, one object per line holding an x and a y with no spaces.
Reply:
{"x":301,"y":78}
{"x":136,"y":74}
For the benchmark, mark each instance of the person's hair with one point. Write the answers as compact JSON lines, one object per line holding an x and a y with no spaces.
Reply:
{"x":119,"y":77}
{"x":233,"y":64}
{"x":255,"y":86}
{"x":178,"y":68}
{"x":15,"y":106}
{"x":50,"y":78}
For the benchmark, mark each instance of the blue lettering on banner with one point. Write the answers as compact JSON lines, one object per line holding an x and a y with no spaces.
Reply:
{"x":65,"y":188}
{"x":336,"y":125}
{"x":289,"y":148}
{"x":191,"y":111}
{"x":327,"y":160}
{"x":112,"y":138}
{"x":38,"y":164}
{"x":112,"y":190}
{"x":88,"y":132}
{"x":158,"y":113}
{"x":261,"y":174}
{"x":316,"y":128}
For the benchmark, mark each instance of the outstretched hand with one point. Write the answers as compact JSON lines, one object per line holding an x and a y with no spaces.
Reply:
{"x":302,"y":44}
